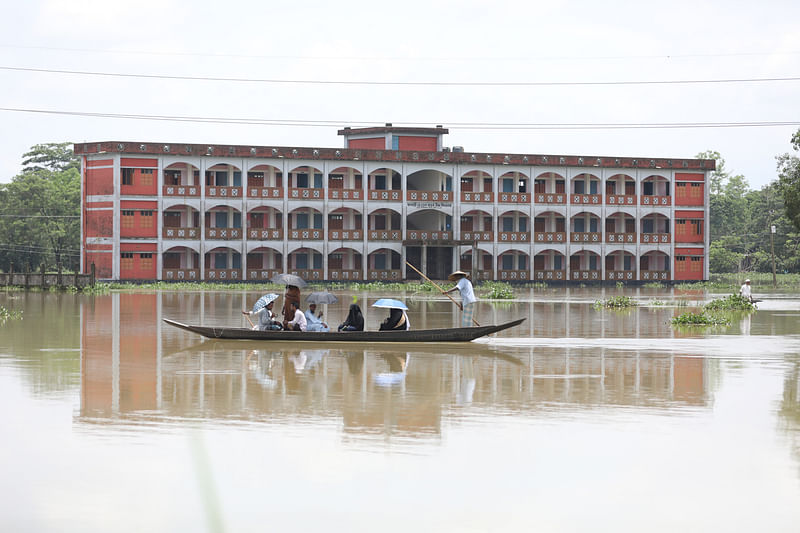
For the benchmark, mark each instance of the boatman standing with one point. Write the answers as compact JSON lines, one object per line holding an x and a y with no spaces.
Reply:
{"x":745,"y":291}
{"x":468,"y":299}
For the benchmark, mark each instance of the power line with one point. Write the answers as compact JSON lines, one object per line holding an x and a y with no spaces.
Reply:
{"x":399,"y":83}
{"x":451,"y":125}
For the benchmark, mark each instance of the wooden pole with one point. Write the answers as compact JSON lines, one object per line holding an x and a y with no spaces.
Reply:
{"x":440,"y":290}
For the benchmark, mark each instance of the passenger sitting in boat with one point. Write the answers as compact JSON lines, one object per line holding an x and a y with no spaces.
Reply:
{"x":298,"y":323}
{"x":314,"y":321}
{"x":354,"y":320}
{"x":398,"y":319}
{"x":266,"y":320}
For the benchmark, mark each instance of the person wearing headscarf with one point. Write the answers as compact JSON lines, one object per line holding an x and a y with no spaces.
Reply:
{"x":397,"y":320}
{"x":354,"y":320}
{"x":464,"y":286}
{"x":292,"y":295}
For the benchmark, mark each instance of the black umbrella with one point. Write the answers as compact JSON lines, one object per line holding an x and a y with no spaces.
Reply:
{"x":288,"y":279}
{"x":322,"y":297}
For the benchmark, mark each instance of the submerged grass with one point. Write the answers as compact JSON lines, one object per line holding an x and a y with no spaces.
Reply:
{"x":9,"y":314}
{"x":615,"y":302}
{"x":703,"y":318}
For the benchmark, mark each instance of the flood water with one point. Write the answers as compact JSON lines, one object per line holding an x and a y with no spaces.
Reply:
{"x":577,"y":420}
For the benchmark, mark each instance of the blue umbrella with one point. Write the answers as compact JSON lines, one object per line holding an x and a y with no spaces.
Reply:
{"x":388,"y":303}
{"x":264,"y":301}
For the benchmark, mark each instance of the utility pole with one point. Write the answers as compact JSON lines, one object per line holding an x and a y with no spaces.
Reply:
{"x":772,"y":250}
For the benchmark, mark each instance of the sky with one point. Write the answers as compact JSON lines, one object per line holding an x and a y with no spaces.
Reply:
{"x":553,"y":63}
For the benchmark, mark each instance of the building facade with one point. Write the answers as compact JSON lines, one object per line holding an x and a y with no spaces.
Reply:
{"x":389,"y":196}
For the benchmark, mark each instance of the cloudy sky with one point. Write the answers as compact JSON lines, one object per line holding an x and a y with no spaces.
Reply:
{"x":503,"y":76}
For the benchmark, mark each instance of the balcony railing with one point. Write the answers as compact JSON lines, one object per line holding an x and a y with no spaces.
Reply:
{"x":265,"y":193}
{"x":345,"y":194}
{"x":662,"y":201}
{"x":307,"y":274}
{"x":558,"y":237}
{"x":429,"y":196}
{"x":586,"y":275}
{"x":383,"y":275}
{"x":621,"y":238}
{"x":621,"y":275}
{"x":514,"y":198}
{"x":223,"y":233}
{"x":620,"y":199}
{"x":259,"y":274}
{"x":345,"y":275}
{"x":550,"y":275}
{"x":180,"y":233}
{"x":263,"y":234}
{"x":180,"y":190}
{"x":480,"y":275}
{"x":586,"y":236}
{"x":550,"y":198}
{"x":654,"y":275}
{"x":345,"y":235}
{"x":223,"y":274}
{"x":477,"y":197}
{"x":513,"y":275}
{"x":514,"y":236}
{"x":428,"y":235}
{"x":223,"y":192}
{"x":654,"y":238}
{"x":386,"y":196}
{"x":305,"y":234}
{"x":385,"y":235}
{"x":181,"y":274}
{"x":586,"y":199}
{"x":477,"y":235}
{"x":305,"y":194}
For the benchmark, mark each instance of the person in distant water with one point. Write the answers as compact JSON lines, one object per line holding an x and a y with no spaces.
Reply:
{"x":292,"y":295}
{"x":314,"y":321}
{"x":298,"y":323}
{"x":354,"y":320}
{"x":265,"y":319}
{"x":468,"y":299}
{"x":398,"y":319}
{"x":745,"y":291}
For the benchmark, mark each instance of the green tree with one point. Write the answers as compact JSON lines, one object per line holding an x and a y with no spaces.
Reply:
{"x":789,"y":181}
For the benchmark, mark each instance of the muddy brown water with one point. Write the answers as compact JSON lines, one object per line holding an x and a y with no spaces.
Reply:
{"x":577,"y":420}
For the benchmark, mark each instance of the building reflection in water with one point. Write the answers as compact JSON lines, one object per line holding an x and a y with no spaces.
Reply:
{"x":133,"y":367}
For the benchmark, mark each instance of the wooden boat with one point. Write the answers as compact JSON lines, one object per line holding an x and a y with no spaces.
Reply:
{"x":419,"y":335}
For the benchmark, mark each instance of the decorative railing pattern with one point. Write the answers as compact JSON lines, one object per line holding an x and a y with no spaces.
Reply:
{"x":621,"y":275}
{"x":514,"y":236}
{"x":266,"y":193}
{"x":223,"y":192}
{"x":654,"y":238}
{"x":381,"y":275}
{"x":223,"y":233}
{"x":386,"y":196}
{"x":180,"y":233}
{"x":586,"y":199}
{"x":171,"y":274}
{"x":254,"y":274}
{"x":263,"y":234}
{"x":305,"y":234}
{"x":429,"y":196}
{"x":477,"y":197}
{"x":385,"y":235}
{"x":345,"y":275}
{"x":477,"y":235}
{"x":550,"y":198}
{"x":587,"y":237}
{"x":513,"y":275}
{"x":223,"y":274}
{"x":620,"y":199}
{"x":621,"y":238}
{"x":550,"y":236}
{"x":345,"y":194}
{"x":305,"y":194}
{"x":180,"y":190}
{"x":654,"y":275}
{"x":345,"y":235}
{"x":427,"y":235}
{"x":307,"y":274}
{"x":514,"y":197}
{"x":586,"y":275}
{"x":550,"y":275}
{"x":656,"y":200}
